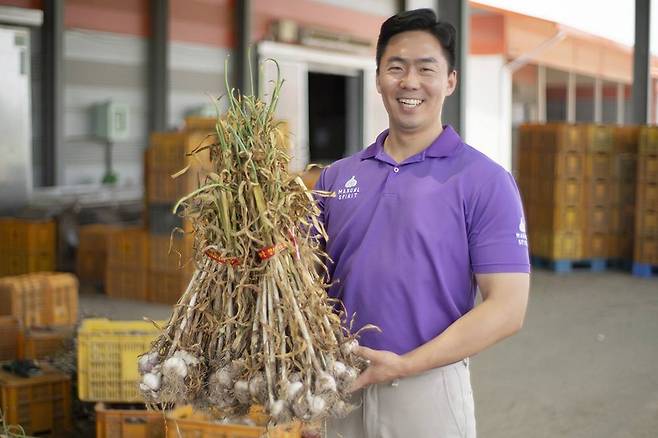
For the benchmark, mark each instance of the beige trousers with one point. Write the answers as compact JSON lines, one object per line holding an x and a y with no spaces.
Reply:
{"x":434,"y":404}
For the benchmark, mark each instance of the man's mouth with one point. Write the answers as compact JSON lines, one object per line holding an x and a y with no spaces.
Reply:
{"x":410,"y":103}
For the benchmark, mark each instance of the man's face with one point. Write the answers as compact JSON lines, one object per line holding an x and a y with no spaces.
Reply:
{"x":414,"y":80}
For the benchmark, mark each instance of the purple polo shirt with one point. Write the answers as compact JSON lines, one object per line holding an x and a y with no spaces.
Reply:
{"x":407,"y":238}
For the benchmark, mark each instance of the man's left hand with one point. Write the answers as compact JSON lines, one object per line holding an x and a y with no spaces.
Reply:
{"x":384,"y":366}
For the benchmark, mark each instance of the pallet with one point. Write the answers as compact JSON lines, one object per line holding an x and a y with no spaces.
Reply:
{"x":564,"y":266}
{"x":644,"y":270}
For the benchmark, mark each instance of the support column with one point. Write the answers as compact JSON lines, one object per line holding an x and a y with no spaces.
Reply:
{"x":598,"y":100}
{"x":241,"y":77}
{"x":641,"y":60}
{"x":541,"y":94}
{"x":158,"y":66}
{"x":52,"y":82}
{"x":571,"y":98}
{"x":457,"y":13}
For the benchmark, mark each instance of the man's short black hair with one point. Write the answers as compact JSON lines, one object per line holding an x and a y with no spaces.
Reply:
{"x":419,"y":19}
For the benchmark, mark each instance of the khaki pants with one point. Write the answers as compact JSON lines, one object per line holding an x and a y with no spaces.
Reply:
{"x":435,"y":404}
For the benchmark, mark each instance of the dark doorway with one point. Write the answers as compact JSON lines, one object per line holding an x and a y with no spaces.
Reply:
{"x":335,"y":124}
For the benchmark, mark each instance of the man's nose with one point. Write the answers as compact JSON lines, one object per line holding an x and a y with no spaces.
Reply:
{"x":410,"y":79}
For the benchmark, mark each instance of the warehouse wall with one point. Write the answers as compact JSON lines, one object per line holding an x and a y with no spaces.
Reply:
{"x":102,"y":66}
{"x":105,"y":58}
{"x":106,"y":53}
{"x":488,"y":107}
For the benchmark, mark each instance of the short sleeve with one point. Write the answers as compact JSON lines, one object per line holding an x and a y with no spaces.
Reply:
{"x":496,"y":227}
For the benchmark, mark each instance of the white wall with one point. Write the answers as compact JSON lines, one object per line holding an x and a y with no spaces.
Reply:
{"x":385,"y":8}
{"x":196,"y":75}
{"x":488,"y":107}
{"x":101,"y":66}
{"x":295,"y":62}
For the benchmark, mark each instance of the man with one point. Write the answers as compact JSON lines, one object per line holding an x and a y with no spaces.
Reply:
{"x":420,"y":220}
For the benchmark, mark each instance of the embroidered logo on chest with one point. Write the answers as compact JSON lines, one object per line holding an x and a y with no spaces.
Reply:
{"x":350,"y":190}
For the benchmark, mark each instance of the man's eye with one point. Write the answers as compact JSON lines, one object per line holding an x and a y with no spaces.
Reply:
{"x":395,"y":68}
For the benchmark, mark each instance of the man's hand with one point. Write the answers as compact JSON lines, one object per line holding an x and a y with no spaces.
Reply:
{"x":384,"y":367}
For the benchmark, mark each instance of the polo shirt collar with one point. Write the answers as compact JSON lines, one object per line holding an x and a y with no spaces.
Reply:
{"x":444,"y":146}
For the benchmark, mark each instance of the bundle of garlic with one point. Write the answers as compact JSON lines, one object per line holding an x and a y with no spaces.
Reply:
{"x":255,"y":325}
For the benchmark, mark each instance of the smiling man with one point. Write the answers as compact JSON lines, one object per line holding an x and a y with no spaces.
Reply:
{"x":420,"y":221}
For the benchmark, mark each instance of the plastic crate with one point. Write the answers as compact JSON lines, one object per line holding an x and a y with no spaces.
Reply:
{"x":128,"y":247}
{"x":35,"y":236}
{"x":167,"y":287}
{"x":647,"y":222}
{"x":646,"y":249}
{"x":10,"y":331}
{"x":170,"y":255}
{"x":16,"y":263}
{"x":27,"y":236}
{"x":626,"y":139}
{"x":648,"y":140}
{"x":45,"y":343}
{"x":648,"y":168}
{"x":107,"y":358}
{"x":43,"y":299}
{"x":597,"y":245}
{"x":91,"y":266}
{"x":169,"y":151}
{"x":121,"y":421}
{"x":163,"y":188}
{"x":557,"y":245}
{"x":41,"y":404}
{"x":91,"y":257}
{"x":647,"y":195}
{"x":7,"y":227}
{"x":127,"y":282}
{"x":185,"y":423}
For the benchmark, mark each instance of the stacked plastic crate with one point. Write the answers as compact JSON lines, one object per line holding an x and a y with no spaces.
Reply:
{"x":551,"y":180}
{"x":127,"y":262}
{"x":91,"y":258}
{"x":40,"y":311}
{"x":625,"y":149}
{"x":40,"y":404}
{"x":600,"y":205}
{"x":26,"y":246}
{"x":10,"y":332}
{"x":108,"y":374}
{"x":645,"y":260}
{"x":40,"y":300}
{"x":184,"y":422}
{"x":170,"y":266}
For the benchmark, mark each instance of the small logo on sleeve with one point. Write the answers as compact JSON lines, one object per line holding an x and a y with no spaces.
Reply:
{"x":521,"y":236}
{"x":351,"y":189}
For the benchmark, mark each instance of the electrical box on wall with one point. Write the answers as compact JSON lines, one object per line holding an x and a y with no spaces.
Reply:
{"x":111,"y":121}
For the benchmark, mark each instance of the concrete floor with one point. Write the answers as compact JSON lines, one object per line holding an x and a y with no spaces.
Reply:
{"x":585,"y":364}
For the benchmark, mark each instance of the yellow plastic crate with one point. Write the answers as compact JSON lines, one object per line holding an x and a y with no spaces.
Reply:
{"x":107,"y":358}
{"x":184,"y":422}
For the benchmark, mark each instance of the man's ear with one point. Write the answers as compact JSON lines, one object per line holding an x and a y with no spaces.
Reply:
{"x":379,"y":88}
{"x":452,"y":82}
